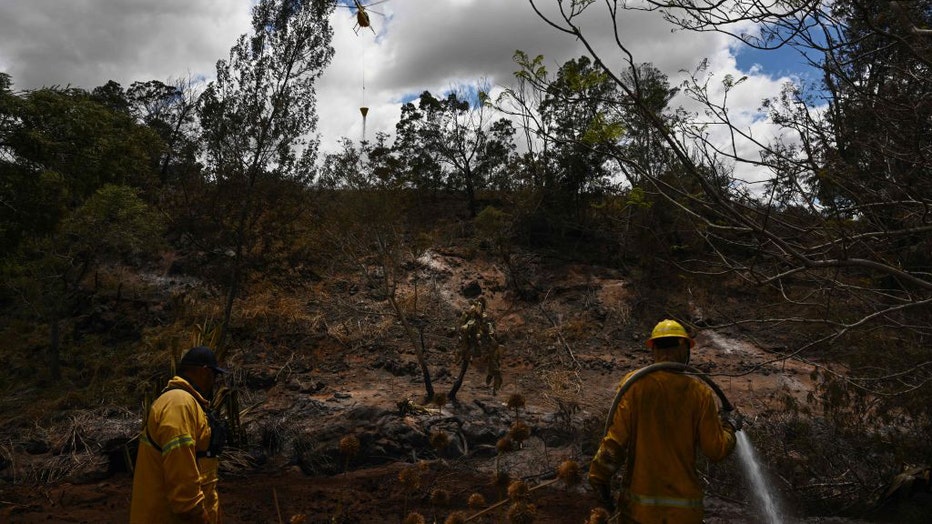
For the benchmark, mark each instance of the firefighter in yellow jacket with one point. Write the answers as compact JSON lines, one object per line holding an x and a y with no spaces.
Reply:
{"x":660,"y":423}
{"x":176,"y":468}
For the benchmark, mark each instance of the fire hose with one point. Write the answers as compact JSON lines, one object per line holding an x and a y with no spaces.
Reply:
{"x":664,"y":366}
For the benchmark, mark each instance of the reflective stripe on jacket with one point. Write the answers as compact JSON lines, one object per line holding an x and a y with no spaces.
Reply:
{"x":175,"y":480}
{"x":661,"y":423}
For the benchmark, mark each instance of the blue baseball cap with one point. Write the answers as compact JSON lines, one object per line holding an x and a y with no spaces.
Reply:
{"x":202,"y":356}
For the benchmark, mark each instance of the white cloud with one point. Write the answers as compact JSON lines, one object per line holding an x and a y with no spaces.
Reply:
{"x":85,"y":43}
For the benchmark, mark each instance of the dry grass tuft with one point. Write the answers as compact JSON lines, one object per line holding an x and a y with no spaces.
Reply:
{"x":268,"y":309}
{"x":565,"y":388}
{"x":457,"y":517}
{"x":516,"y":401}
{"x":520,"y":432}
{"x":310,"y":455}
{"x":598,"y":516}
{"x":522,"y":513}
{"x":518,"y":491}
{"x":349,"y":446}
{"x":414,"y":518}
{"x":64,"y":467}
{"x":351,"y":335}
{"x":476,"y":501}
{"x":439,"y":440}
{"x":505,"y":444}
{"x":410,"y":478}
{"x":570,"y":473}
{"x":235,"y":460}
{"x":274,"y":434}
{"x":439,"y":400}
{"x":579,"y":328}
{"x":440,"y":498}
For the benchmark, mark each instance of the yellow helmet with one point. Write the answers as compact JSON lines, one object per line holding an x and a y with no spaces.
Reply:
{"x":669,"y":328}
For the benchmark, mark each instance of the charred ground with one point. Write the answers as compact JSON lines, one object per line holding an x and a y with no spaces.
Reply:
{"x":322,"y":356}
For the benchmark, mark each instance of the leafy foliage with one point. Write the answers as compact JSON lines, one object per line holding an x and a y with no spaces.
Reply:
{"x":477,"y":341}
{"x":256,"y":118}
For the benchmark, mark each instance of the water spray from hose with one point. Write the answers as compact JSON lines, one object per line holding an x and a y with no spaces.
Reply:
{"x":764,"y":500}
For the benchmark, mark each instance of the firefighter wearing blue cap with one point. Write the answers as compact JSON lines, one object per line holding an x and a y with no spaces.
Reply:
{"x":175,"y":477}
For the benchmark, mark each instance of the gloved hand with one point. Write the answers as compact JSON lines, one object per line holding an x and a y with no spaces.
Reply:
{"x":733,"y":419}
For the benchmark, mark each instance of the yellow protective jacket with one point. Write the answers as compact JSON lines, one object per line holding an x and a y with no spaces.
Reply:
{"x":179,"y":479}
{"x":660,"y":424}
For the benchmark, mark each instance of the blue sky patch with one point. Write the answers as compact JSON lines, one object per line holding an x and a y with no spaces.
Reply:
{"x":775,"y":63}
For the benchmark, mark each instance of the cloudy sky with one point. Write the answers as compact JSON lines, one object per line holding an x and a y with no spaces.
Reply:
{"x":420,"y":45}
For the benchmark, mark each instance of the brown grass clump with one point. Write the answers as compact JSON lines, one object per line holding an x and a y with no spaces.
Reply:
{"x":564,"y":391}
{"x":410,"y":478}
{"x":457,"y":517}
{"x":598,"y":516}
{"x":516,"y":401}
{"x":440,"y":498}
{"x":520,"y":432}
{"x":505,"y":444}
{"x":570,"y":473}
{"x":414,"y":518}
{"x":272,"y":310}
{"x":349,"y":446}
{"x":518,"y":491}
{"x":476,"y":501}
{"x":522,"y":513}
{"x":439,"y":440}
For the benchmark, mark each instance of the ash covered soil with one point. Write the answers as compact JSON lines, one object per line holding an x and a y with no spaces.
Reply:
{"x":347,"y":373}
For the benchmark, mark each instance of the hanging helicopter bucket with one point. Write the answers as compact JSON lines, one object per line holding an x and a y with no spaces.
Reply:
{"x":364,"y":111}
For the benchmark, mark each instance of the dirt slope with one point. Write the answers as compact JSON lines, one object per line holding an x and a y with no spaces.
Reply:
{"x":563,"y":352}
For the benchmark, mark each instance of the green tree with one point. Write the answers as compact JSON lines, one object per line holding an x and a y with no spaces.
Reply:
{"x":343,"y":169}
{"x":171,"y":111}
{"x":421,"y":166}
{"x":384,"y":164}
{"x":522,"y":102}
{"x":877,"y":164}
{"x":571,"y":123}
{"x":256,"y":119}
{"x":59,"y":146}
{"x":84,"y":142}
{"x":582,"y":111}
{"x":499,"y":156}
{"x":640,"y":147}
{"x":458,"y":134}
{"x":112,"y":96}
{"x":45,"y":272}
